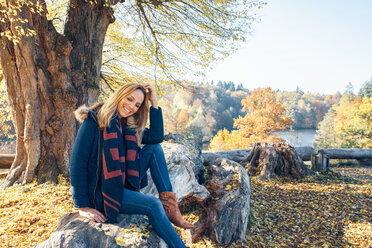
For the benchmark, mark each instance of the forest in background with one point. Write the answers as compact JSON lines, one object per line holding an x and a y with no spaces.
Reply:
{"x":199,"y":110}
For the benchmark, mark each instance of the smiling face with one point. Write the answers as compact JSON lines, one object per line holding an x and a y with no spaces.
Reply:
{"x":130,"y":104}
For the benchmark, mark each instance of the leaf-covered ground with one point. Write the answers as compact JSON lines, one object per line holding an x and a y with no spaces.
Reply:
{"x":328,"y":210}
{"x":29,"y":214}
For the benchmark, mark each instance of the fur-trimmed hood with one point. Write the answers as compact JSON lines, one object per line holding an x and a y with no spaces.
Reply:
{"x":83,"y":112}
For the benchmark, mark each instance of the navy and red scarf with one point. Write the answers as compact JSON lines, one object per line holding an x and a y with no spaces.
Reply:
{"x":120,"y":165}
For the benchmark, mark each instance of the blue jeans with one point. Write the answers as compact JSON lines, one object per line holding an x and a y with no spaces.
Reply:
{"x":152,"y":156}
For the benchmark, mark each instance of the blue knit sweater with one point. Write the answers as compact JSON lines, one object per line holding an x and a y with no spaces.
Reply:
{"x":84,"y":169}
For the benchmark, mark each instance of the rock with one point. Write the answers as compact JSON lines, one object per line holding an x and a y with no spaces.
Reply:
{"x":176,"y":143}
{"x":182,"y":160}
{"x":74,"y":231}
{"x":227,"y":208}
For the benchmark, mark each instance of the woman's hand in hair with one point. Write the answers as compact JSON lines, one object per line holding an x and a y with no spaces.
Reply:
{"x":151,"y":95}
{"x":92,"y":214}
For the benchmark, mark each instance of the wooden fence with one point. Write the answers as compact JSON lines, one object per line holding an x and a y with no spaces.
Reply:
{"x":6,"y":160}
{"x":319,"y":160}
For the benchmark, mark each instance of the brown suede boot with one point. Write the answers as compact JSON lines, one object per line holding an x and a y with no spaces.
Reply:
{"x":170,"y":205}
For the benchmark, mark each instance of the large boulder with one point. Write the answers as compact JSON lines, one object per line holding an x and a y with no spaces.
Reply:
{"x":74,"y":231}
{"x":175,"y":145}
{"x":184,"y":162}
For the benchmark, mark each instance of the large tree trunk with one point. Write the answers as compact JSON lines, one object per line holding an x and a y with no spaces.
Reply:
{"x":47,"y":76}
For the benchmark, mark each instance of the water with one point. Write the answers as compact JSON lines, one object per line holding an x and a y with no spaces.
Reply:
{"x":301,"y":137}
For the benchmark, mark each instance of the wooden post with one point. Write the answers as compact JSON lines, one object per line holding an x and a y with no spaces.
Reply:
{"x":314,"y":161}
{"x":323,"y":160}
{"x":320,"y":160}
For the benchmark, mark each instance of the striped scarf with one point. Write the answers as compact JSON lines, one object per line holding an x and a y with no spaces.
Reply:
{"x":120,"y":166}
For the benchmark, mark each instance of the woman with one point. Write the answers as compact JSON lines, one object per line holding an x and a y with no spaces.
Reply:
{"x":108,"y":168}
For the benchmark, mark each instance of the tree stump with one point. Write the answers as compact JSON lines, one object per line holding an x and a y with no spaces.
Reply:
{"x":271,"y":160}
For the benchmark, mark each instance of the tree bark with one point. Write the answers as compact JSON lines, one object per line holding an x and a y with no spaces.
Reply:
{"x":226,"y":210}
{"x":271,"y":160}
{"x":47,"y":76}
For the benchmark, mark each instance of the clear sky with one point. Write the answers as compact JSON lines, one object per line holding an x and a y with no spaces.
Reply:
{"x":318,"y":45}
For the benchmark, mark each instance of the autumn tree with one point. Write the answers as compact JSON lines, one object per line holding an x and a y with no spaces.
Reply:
{"x":265,"y":116}
{"x":182,"y":121}
{"x":220,"y":142}
{"x":198,"y":111}
{"x":306,"y":109}
{"x":326,"y":136}
{"x":49,"y":71}
{"x":347,"y":125}
{"x":358,"y":129}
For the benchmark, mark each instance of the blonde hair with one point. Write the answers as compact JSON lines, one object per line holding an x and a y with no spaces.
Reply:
{"x":108,"y":108}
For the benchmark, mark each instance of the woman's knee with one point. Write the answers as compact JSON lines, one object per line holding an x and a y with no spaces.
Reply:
{"x":156,"y":207}
{"x":156,"y":204}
